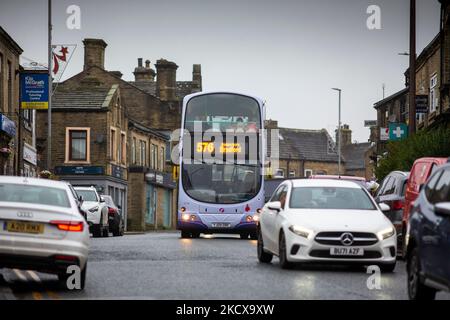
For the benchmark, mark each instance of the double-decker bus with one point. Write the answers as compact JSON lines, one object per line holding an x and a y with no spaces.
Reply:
{"x":221,"y":164}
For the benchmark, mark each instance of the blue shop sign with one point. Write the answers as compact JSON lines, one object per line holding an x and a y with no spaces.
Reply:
{"x":34,"y":90}
{"x":79,"y":170}
{"x":7,"y":125}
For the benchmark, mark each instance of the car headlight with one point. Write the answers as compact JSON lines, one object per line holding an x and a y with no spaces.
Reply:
{"x":386,"y":233}
{"x":93,"y":209}
{"x":300,"y":231}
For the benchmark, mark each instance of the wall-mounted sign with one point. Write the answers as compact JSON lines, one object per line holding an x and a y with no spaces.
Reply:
{"x":79,"y":170}
{"x":117,"y":172}
{"x":161,"y":178}
{"x":370,"y":123}
{"x":397,"y":131}
{"x":384,"y":134}
{"x":422,"y":103}
{"x":7,"y":125}
{"x":29,"y":154}
{"x":33,"y":90}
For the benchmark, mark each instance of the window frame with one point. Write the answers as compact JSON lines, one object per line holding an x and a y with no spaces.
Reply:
{"x":68,"y":153}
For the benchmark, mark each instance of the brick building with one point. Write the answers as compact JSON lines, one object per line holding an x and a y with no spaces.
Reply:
{"x":17,"y":144}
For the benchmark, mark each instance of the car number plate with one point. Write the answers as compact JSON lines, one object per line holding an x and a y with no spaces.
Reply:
{"x":347,"y":251}
{"x":220,"y":224}
{"x":24,"y":227}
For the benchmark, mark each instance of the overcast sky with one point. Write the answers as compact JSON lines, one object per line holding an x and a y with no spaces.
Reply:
{"x":289,"y":52}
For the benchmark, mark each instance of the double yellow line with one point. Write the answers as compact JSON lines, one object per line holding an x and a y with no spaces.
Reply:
{"x":36,"y":294}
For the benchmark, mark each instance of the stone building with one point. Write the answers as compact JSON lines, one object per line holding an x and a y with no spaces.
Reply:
{"x":432,"y":81}
{"x":302,"y":153}
{"x":151,"y":187}
{"x":89,"y":139}
{"x":152,"y":109}
{"x":357,"y":156}
{"x":17,"y":143}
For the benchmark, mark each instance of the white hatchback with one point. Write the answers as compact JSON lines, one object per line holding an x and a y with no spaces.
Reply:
{"x":41,"y":227}
{"x":325,"y":221}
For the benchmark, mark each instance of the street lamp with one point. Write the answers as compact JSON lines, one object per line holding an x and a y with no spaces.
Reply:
{"x":339,"y":131}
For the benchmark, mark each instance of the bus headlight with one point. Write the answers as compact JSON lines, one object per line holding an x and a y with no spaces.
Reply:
{"x":185,"y":217}
{"x":249,"y":218}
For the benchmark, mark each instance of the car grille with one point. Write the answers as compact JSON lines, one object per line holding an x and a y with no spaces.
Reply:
{"x":326,"y":254}
{"x":334,"y":238}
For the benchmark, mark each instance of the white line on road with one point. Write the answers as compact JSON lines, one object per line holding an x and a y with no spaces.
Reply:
{"x":34,"y":276}
{"x":20,"y":275}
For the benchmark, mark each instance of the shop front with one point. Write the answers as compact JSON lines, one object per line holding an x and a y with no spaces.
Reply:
{"x":7,"y":135}
{"x":114,"y":185}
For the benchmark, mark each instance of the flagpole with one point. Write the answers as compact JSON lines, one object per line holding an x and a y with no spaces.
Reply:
{"x":50,"y":84}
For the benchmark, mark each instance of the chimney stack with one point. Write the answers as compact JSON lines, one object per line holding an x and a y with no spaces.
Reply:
{"x":142,"y":74}
{"x":197,"y":76}
{"x":94,"y":53}
{"x":346,"y":135}
{"x":166,"y":80}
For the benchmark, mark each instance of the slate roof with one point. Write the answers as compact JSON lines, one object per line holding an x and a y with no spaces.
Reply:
{"x":134,"y":124}
{"x":309,"y":145}
{"x":354,"y":155}
{"x":87,"y":98}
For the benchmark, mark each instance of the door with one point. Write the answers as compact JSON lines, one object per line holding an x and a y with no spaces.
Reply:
{"x":151,"y":205}
{"x":167,"y":208}
{"x":269,"y":220}
{"x":435,"y":241}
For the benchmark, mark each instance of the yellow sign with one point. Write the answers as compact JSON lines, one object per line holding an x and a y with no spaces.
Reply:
{"x":34,"y":105}
{"x":224,"y":147}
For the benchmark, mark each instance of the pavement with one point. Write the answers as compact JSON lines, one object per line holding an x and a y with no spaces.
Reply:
{"x":160,"y":265}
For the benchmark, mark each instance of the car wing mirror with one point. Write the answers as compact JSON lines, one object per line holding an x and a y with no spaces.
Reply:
{"x":274,"y":206}
{"x":102,"y":199}
{"x":80,"y":199}
{"x":442,"y":209}
{"x":384,"y":207}
{"x":421,"y":187}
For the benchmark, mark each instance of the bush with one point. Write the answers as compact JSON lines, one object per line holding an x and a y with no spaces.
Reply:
{"x":402,"y":154}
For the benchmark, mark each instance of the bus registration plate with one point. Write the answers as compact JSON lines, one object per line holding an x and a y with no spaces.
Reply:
{"x":221,"y":224}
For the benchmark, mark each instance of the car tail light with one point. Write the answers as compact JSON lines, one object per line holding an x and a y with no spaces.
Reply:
{"x":398,"y":205}
{"x":74,"y":226}
{"x":65,"y":258}
{"x":111,"y":211}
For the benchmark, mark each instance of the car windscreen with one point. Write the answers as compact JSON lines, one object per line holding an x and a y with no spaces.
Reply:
{"x":330,"y":198}
{"x":88,"y":195}
{"x":34,"y":194}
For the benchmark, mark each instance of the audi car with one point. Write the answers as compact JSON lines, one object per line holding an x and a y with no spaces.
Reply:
{"x":41,"y":227}
{"x":325,"y":220}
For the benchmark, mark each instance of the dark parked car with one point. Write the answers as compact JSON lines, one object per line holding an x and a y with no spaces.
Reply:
{"x":428,"y":238}
{"x":392,"y":192}
{"x":115,"y":218}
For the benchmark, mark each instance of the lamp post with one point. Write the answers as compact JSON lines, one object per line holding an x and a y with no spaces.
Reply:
{"x":339,"y":138}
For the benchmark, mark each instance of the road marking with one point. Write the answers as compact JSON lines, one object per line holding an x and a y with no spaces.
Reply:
{"x":53,"y":295}
{"x":20,"y":275}
{"x":36,"y":295}
{"x":34,"y":276}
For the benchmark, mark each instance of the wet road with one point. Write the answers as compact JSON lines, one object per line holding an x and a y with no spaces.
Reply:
{"x":163,"y":266}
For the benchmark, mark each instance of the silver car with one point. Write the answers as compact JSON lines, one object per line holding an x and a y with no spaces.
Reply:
{"x":41,"y":228}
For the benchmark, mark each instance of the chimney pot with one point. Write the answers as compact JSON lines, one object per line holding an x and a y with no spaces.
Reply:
{"x":147,"y":64}
{"x":139,"y":62}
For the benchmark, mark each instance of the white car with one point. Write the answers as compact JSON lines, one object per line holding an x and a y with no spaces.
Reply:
{"x":96,"y":210}
{"x":325,"y":221}
{"x":41,"y":227}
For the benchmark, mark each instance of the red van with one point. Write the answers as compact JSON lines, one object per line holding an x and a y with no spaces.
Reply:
{"x":420,"y":172}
